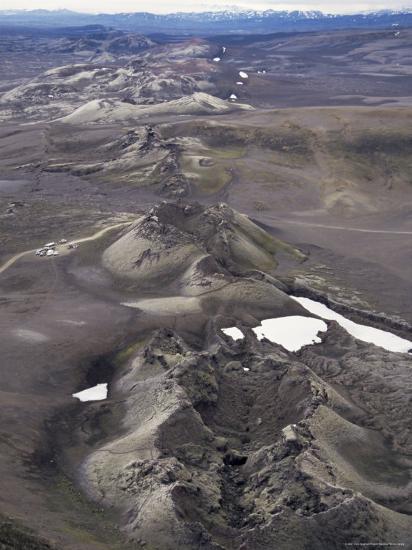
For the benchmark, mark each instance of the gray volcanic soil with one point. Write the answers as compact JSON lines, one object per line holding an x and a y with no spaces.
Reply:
{"x":230,"y":459}
{"x":190,"y":450}
{"x":303,"y":450}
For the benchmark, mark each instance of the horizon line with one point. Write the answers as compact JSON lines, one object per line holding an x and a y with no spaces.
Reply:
{"x":211,"y":10}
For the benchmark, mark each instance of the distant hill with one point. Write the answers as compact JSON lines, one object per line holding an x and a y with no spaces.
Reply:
{"x":206,"y":23}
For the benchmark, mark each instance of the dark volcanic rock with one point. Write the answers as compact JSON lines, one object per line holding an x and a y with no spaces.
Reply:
{"x":290,"y":455}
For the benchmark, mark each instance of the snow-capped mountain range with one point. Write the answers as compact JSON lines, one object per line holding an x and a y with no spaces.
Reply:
{"x":212,"y":22}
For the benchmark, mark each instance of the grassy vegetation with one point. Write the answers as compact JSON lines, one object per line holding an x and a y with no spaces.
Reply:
{"x":208,"y":179}
{"x":95,"y":519}
{"x":226,"y":152}
{"x":388,"y":142}
{"x":273,"y":245}
{"x":228,"y":149}
{"x":287,"y":139}
{"x":38,"y":222}
{"x":126,"y":353}
{"x":375,"y":154}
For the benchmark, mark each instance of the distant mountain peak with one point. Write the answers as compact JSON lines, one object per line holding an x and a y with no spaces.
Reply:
{"x":226,"y":19}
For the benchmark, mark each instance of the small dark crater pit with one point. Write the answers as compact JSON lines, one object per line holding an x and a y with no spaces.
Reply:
{"x":234,"y":458}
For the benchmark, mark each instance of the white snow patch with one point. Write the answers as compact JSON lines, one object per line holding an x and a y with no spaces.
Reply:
{"x":233,"y":97}
{"x":216,"y":59}
{"x":239,"y":83}
{"x":242,"y":74}
{"x":372,"y":335}
{"x":96,"y":393}
{"x":223,"y":49}
{"x":234,"y":333}
{"x":291,"y":332}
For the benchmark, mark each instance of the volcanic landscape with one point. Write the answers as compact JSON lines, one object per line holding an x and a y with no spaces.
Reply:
{"x":160,"y":201}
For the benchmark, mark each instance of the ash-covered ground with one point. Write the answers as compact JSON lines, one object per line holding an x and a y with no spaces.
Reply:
{"x":177,"y":210}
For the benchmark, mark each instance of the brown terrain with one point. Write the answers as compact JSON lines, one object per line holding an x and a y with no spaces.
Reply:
{"x":194,"y":211}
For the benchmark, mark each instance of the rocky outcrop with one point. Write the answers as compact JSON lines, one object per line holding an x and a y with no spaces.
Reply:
{"x":112,"y":110}
{"x":230,"y":240}
{"x":207,"y":442}
{"x":286,"y":452}
{"x":201,"y":257}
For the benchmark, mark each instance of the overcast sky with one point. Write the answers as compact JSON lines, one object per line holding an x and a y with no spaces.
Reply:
{"x":167,"y":6}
